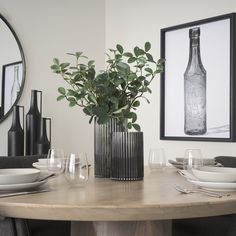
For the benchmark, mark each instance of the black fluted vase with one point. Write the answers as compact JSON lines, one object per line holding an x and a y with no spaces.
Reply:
{"x":16,"y":135}
{"x":33,"y":118}
{"x":44,"y":144}
{"x":102,"y":147}
{"x":127,"y":156}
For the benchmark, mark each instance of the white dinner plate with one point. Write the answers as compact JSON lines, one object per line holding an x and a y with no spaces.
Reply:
{"x":214,"y":185}
{"x":18,"y":175}
{"x":23,"y":186}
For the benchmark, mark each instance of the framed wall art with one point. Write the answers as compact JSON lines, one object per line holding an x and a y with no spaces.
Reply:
{"x":11,"y":84}
{"x":198,"y":84}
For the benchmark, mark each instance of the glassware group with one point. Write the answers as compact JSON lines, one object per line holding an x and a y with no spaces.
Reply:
{"x":75,"y":167}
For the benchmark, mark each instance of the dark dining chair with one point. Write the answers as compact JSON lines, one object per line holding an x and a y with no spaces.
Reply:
{"x":206,"y":226}
{"x":28,"y":227}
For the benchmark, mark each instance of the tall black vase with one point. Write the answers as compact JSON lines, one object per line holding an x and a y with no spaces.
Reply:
{"x":44,"y":144}
{"x":102,"y":147}
{"x":16,"y":134}
{"x":33,"y":118}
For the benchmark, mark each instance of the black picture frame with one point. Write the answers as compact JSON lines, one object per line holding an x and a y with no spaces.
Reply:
{"x":218,"y":53}
{"x":7,"y":85}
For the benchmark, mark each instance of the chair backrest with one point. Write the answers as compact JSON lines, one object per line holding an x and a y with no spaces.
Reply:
{"x":19,"y":161}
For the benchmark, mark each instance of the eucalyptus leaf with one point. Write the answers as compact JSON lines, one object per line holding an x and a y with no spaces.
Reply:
{"x":161,"y":60}
{"x":59,"y":98}
{"x":56,"y":61}
{"x":147,"y":46}
{"x":128,"y":54}
{"x":132,"y":59}
{"x":129,"y":125}
{"x":61,"y":90}
{"x":55,"y":67}
{"x":119,"y":48}
{"x":149,"y":57}
{"x":64,"y":65}
{"x":148,"y":69}
{"x":136,"y":127}
{"x":136,"y":104}
{"x":72,"y":103}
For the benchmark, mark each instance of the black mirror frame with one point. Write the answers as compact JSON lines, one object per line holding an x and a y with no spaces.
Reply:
{"x":23,"y":67}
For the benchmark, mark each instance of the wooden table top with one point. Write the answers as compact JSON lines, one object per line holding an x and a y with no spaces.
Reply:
{"x":154,"y":198}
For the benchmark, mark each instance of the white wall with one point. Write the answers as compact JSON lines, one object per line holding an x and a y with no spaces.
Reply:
{"x":134,"y":22}
{"x":49,"y":29}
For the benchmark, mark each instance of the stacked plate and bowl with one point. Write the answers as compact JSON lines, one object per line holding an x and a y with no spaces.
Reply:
{"x":17,"y":179}
{"x":220,"y":178}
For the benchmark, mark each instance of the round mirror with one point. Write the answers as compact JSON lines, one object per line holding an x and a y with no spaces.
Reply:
{"x":12,"y":68}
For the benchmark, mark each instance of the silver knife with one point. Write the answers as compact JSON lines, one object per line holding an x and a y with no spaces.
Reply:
{"x":22,"y":193}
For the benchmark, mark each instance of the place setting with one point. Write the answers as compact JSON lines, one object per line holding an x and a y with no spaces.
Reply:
{"x":20,"y":181}
{"x":208,"y":179}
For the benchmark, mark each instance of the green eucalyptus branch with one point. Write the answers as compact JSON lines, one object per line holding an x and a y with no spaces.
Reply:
{"x":113,"y":93}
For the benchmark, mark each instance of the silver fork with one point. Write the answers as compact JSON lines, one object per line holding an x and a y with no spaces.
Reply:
{"x":203,"y":191}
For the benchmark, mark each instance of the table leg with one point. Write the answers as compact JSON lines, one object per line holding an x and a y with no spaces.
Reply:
{"x":121,"y":228}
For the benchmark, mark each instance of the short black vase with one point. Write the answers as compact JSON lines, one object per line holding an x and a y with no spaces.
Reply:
{"x":16,"y":134}
{"x":43,"y":143}
{"x":102,"y":147}
{"x":33,"y":118}
{"x":127,"y":156}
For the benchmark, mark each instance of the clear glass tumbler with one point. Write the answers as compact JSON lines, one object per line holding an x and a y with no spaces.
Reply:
{"x":77,"y":169}
{"x":157,"y":159}
{"x":56,"y":161}
{"x":192,"y":159}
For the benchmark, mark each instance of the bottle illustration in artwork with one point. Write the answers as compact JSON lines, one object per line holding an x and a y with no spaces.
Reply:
{"x":195,"y":88}
{"x":15,"y":89}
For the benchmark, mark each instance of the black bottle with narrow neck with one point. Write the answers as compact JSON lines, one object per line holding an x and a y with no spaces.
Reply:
{"x":33,"y":118}
{"x":43,"y":144}
{"x":16,"y":135}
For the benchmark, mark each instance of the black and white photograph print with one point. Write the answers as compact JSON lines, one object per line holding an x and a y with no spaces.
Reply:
{"x":197,"y":84}
{"x":11,"y":84}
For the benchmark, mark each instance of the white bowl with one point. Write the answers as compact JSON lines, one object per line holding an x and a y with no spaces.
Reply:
{"x":18,"y":176}
{"x":215,"y":174}
{"x":43,"y":161}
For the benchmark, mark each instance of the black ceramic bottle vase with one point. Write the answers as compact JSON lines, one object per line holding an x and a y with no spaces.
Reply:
{"x":33,"y":118}
{"x":16,"y":134}
{"x":44,"y":144}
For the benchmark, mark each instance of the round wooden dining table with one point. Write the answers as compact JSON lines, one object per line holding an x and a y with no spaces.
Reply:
{"x":104,"y":207}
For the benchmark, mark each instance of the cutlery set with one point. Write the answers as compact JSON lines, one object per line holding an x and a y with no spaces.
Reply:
{"x":199,"y":190}
{"x":3,"y":195}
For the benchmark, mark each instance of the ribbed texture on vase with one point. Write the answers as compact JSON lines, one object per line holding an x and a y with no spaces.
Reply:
{"x":102,"y":147}
{"x":127,"y":156}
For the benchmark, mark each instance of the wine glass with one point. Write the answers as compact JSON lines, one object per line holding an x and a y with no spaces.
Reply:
{"x":192,"y":159}
{"x":77,"y":169}
{"x":157,"y":159}
{"x":55,"y":161}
